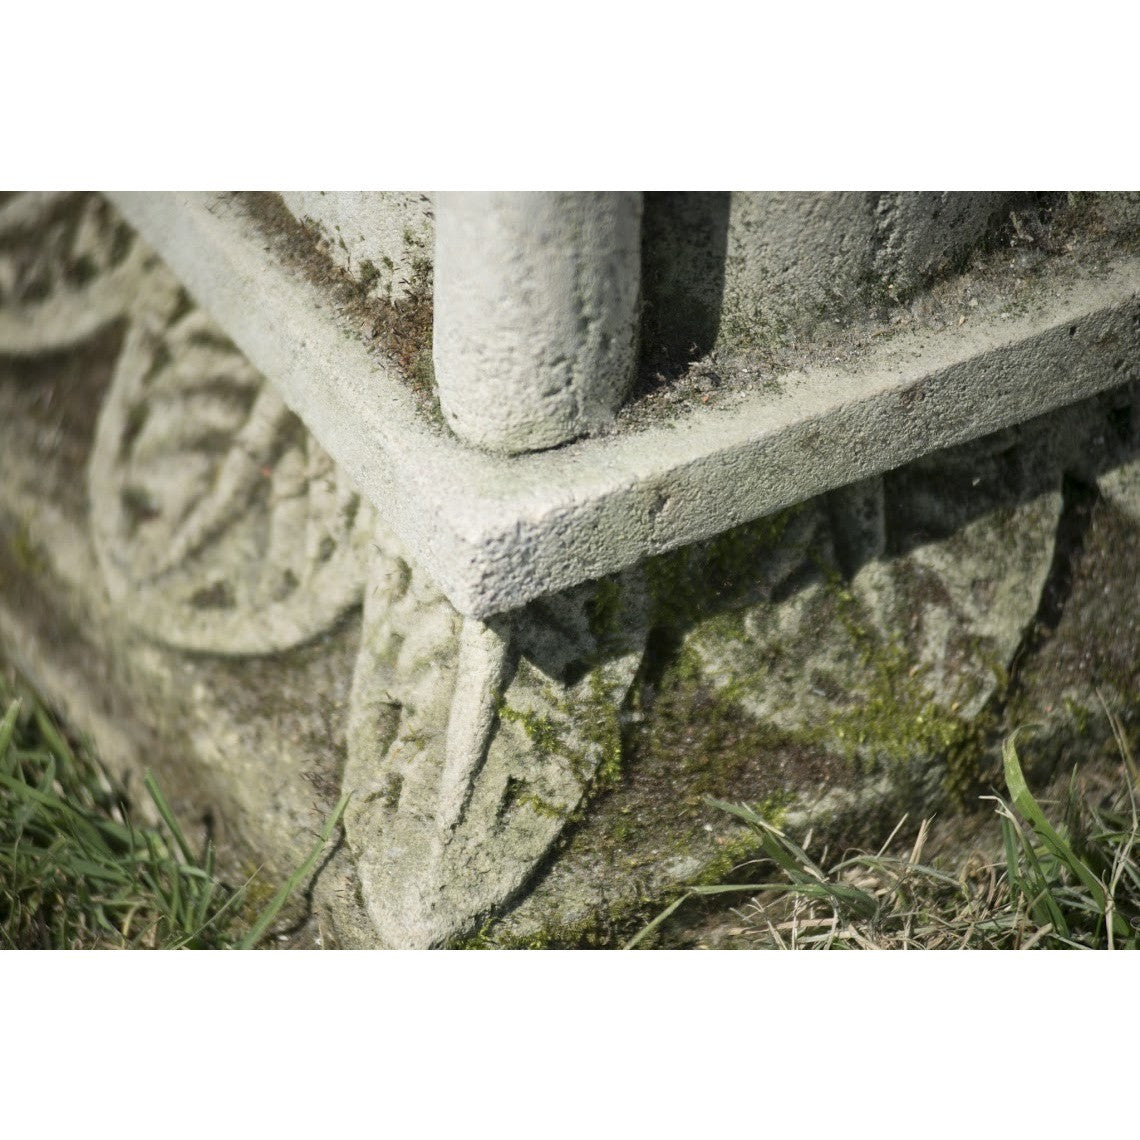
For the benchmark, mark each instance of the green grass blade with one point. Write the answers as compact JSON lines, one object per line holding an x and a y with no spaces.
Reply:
{"x":1013,"y":867}
{"x":206,"y":895}
{"x":54,"y":738}
{"x":738,"y":888}
{"x":1025,"y":803}
{"x":645,"y":931}
{"x":1042,"y":905}
{"x":8,"y":727}
{"x":290,"y":885}
{"x":228,"y":905}
{"x":175,"y":894}
{"x":152,"y":788}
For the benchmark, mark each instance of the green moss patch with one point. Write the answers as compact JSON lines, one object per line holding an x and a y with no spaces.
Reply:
{"x":401,"y":329}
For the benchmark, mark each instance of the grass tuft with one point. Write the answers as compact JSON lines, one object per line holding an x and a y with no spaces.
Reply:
{"x":1073,"y":884}
{"x":76,"y":871}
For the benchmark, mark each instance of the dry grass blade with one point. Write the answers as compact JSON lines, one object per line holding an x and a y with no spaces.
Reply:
{"x":1071,"y":885}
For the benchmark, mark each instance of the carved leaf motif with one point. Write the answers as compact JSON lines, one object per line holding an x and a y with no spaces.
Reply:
{"x":943,"y":560}
{"x":972,"y":534}
{"x":471,"y":743}
{"x":68,"y":265}
{"x":219,"y":523}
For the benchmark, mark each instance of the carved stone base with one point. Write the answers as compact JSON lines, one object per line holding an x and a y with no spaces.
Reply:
{"x":191,"y":579}
{"x":217,"y":544}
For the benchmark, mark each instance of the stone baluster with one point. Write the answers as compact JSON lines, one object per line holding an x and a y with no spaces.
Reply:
{"x":536,"y":314}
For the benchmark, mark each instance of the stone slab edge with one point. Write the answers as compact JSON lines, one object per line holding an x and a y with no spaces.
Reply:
{"x":496,"y":532}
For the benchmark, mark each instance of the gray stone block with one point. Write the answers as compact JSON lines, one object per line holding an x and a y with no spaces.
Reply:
{"x":496,"y":532}
{"x":382,"y":238}
{"x":236,"y":545}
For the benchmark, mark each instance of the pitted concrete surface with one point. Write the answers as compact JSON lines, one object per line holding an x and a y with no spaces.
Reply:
{"x":496,"y":532}
{"x":536,"y":312}
{"x":377,"y":236}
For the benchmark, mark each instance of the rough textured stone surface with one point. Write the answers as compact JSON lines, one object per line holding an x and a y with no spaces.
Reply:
{"x":536,"y":314}
{"x":922,"y":236}
{"x":81,"y":269}
{"x":793,"y":257}
{"x":380,"y":237}
{"x":863,"y":656}
{"x":538,"y":777}
{"x":496,"y":532}
{"x":214,"y":525}
{"x":472,"y":744}
{"x":796,"y":260}
{"x":217,"y":519}
{"x":945,"y":558}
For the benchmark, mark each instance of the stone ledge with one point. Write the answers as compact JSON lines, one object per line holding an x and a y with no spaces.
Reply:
{"x":497,"y":532}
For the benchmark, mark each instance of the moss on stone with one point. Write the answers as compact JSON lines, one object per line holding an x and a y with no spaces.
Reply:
{"x":587,"y":737}
{"x":545,"y":735}
{"x":690,"y":583}
{"x":367,"y":273}
{"x":545,"y":807}
{"x":897,"y":721}
{"x":401,"y":328}
{"x":22,"y":549}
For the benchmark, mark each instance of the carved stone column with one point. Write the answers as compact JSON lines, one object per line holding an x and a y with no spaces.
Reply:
{"x":536,"y":314}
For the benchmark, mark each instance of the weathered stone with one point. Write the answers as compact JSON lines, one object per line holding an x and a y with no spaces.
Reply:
{"x":220,"y":525}
{"x":926,"y":579}
{"x":68,"y":264}
{"x":223,"y":600}
{"x":991,"y":349}
{"x":794,"y":261}
{"x":536,"y":314}
{"x":923,"y":236}
{"x":471,"y":744}
{"x":384,"y":240}
{"x":221,"y":528}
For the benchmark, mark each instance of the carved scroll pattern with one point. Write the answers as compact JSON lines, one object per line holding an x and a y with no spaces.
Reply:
{"x":213,"y":510}
{"x":940,"y":564}
{"x":222,"y":527}
{"x":472,"y":744}
{"x":68,"y":264}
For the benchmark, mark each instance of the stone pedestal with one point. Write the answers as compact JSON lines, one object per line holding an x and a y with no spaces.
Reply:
{"x":241,"y":543}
